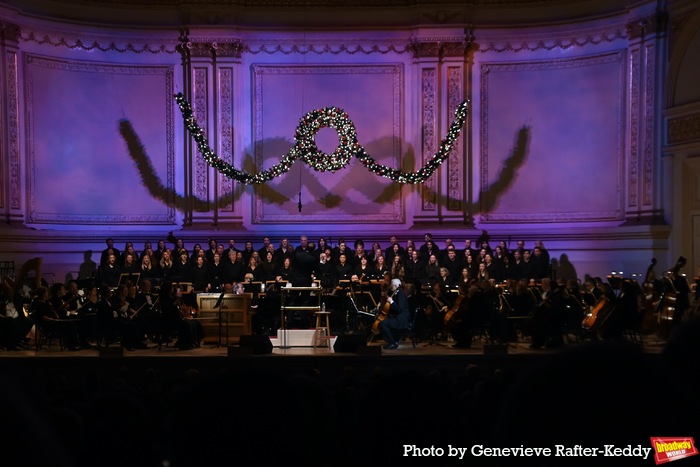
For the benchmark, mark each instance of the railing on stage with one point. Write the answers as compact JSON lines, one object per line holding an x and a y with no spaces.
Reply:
{"x":284,"y":297}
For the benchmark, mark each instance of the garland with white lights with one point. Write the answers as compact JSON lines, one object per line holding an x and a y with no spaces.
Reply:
{"x":305,"y":147}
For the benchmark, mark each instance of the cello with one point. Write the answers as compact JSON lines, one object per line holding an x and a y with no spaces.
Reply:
{"x":382,"y":313}
{"x":450,"y":315}
{"x":598,"y":312}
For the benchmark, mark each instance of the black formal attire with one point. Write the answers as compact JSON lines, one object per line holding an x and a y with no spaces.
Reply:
{"x":281,"y":255}
{"x":364,"y":274}
{"x":527,"y":269}
{"x":349,"y":255}
{"x":432,"y":273}
{"x":189,"y":331}
{"x":269,"y":270}
{"x":258,"y":273}
{"x":104,"y":257}
{"x":234,"y":272}
{"x":389,"y":253}
{"x":216,"y":275}
{"x":150,"y":274}
{"x":325,"y":273}
{"x":540,"y":267}
{"x":165,"y":270}
{"x":45,"y":316}
{"x":304,"y":264}
{"x":343,"y":272}
{"x":199,"y":277}
{"x":415,"y":272}
{"x":397,"y":321}
{"x":380,"y":272}
{"x":109,"y":275}
{"x":462,"y":323}
{"x":453,"y":266}
{"x":181,"y":271}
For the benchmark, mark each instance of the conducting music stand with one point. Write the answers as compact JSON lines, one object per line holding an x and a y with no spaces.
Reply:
{"x":220,"y":306}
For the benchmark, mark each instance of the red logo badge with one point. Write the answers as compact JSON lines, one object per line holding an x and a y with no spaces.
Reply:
{"x":671,"y":449}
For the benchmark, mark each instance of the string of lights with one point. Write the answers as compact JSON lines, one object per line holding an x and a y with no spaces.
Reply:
{"x":305,"y":147}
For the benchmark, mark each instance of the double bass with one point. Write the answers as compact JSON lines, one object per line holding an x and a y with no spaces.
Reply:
{"x":650,"y":300}
{"x":674,"y":299}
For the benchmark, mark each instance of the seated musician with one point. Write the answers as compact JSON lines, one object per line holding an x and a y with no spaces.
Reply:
{"x":44,"y":315}
{"x":463,"y":320}
{"x":440,"y":305}
{"x":398,"y":317}
{"x":17,"y":324}
{"x":548,"y":319}
{"x":176,"y":318}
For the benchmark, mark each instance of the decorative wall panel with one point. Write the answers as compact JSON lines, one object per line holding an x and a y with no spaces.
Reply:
{"x":225,"y":106}
{"x":200,"y":96}
{"x":80,"y":168}
{"x":429,"y":125}
{"x":455,"y":172}
{"x":372,"y":97}
{"x":552,"y":139}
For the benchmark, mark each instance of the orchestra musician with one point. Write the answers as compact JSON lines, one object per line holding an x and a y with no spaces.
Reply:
{"x":398,"y":315}
{"x":682,"y":291}
{"x":462,"y":320}
{"x":549,"y":317}
{"x":44,"y":315}
{"x":178,"y":318}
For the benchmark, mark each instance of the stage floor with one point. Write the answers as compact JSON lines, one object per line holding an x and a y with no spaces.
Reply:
{"x":652,"y":344}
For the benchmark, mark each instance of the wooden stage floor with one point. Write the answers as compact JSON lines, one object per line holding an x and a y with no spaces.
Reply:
{"x":651,"y":345}
{"x":426,"y":356}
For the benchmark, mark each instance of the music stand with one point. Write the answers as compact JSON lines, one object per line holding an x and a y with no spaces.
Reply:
{"x":220,"y":306}
{"x":128,"y":276}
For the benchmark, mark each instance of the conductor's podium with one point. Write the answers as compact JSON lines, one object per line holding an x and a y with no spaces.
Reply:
{"x":296,"y":338}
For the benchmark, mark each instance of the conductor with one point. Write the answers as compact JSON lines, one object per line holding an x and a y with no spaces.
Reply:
{"x":398,"y":318}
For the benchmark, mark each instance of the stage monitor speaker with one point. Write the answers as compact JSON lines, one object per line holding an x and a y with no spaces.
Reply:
{"x":260,"y":344}
{"x":111,"y":352}
{"x":495,"y":349}
{"x":350,"y":343}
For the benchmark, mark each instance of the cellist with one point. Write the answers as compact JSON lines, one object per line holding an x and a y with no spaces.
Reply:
{"x":398,"y":318}
{"x":461,"y":321}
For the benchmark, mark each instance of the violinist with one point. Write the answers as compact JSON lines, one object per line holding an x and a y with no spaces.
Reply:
{"x":74,"y":302}
{"x":398,"y":316}
{"x":131,"y":335}
{"x":441,"y":304}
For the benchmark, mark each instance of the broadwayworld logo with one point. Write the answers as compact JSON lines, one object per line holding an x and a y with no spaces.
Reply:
{"x":672,"y":449}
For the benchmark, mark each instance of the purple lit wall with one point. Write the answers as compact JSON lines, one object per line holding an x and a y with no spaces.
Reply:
{"x":371,"y":95}
{"x":79,"y":169}
{"x":561,"y":143}
{"x":573,"y":110}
